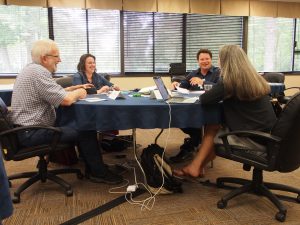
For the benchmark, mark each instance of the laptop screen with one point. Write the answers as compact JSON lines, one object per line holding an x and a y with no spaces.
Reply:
{"x":161,"y":88}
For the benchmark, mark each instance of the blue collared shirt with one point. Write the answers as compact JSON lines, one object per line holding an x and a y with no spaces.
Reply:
{"x":97,"y":80}
{"x":212,"y":77}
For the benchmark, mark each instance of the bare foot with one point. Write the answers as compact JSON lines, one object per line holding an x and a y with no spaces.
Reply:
{"x":189,"y":170}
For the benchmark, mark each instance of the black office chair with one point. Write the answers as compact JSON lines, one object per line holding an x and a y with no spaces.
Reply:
{"x":65,"y":81}
{"x":274,"y":77}
{"x":282,"y":154}
{"x":13,"y":150}
{"x":177,"y":71}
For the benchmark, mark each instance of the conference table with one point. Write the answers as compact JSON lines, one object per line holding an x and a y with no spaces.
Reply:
{"x":6,"y":91}
{"x":135,"y":112}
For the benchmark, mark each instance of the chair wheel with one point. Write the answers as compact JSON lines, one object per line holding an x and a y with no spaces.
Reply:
{"x":16,"y":199}
{"x":298,"y":199}
{"x":221,"y":204}
{"x":80,"y":176}
{"x":280,"y":216}
{"x":69,"y":193}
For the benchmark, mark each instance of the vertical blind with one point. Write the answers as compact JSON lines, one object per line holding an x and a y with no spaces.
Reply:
{"x":207,"y":31}
{"x":104,"y":39}
{"x":138,"y":42}
{"x":168,"y":30}
{"x":18,"y":31}
{"x":270,"y":43}
{"x":69,"y":26}
{"x":297,"y":47}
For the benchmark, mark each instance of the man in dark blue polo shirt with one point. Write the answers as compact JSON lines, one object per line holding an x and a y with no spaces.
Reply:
{"x":205,"y":74}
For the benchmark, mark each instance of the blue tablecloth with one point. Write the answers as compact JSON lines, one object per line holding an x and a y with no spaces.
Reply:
{"x":6,"y":96}
{"x":277,"y":88}
{"x":6,"y":207}
{"x":135,"y":112}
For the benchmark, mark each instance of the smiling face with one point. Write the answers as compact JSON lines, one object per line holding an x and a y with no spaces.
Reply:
{"x":50,"y":61}
{"x":90,"y":65}
{"x":205,"y":61}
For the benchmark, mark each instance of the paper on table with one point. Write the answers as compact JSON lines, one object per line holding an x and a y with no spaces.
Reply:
{"x":182,"y":90}
{"x":147,"y":90}
{"x":93,"y":99}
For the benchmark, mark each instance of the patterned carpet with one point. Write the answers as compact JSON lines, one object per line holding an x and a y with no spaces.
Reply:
{"x":45,"y":203}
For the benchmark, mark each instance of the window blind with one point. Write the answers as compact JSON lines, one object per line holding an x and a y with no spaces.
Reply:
{"x":104,"y":39}
{"x":69,"y":26}
{"x":210,"y":31}
{"x":138,"y":42}
{"x":297,"y":47}
{"x":168,"y":29}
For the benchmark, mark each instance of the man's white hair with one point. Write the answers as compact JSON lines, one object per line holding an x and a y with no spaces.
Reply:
{"x":41,"y":48}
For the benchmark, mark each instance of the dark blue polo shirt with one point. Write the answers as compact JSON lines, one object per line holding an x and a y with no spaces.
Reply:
{"x":6,"y":208}
{"x":212,"y":77}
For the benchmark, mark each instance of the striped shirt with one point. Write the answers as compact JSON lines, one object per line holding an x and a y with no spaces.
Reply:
{"x":35,"y":97}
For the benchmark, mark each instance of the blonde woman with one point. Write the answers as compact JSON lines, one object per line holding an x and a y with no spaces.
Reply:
{"x":246,"y":105}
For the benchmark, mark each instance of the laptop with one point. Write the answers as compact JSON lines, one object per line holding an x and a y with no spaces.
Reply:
{"x":166,"y":95}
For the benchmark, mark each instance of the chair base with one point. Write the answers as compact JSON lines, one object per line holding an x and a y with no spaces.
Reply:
{"x":43,"y":175}
{"x":257,"y":186}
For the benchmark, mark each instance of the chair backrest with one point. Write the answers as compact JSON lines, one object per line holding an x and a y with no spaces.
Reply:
{"x":287,"y":128}
{"x":177,"y":69}
{"x":274,"y":77}
{"x":9,"y":143}
{"x":65,"y":81}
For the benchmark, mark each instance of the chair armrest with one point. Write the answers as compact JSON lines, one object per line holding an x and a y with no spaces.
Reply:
{"x":251,"y":133}
{"x":15,"y":131}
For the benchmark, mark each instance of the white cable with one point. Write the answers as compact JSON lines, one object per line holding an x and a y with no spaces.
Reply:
{"x":147,"y":203}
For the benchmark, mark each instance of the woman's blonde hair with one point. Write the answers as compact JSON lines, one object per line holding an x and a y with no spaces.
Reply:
{"x":41,"y":48}
{"x":239,"y":76}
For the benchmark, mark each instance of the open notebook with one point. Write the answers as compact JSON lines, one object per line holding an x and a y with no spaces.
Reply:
{"x":166,"y":95}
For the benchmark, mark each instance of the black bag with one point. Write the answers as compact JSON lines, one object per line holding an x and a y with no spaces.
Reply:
{"x":156,"y":169}
{"x":113,"y":145}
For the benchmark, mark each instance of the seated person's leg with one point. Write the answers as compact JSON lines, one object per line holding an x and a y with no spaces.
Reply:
{"x":189,"y":145}
{"x":96,"y":170}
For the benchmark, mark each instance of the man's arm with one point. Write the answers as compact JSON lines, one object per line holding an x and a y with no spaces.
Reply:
{"x":73,"y":96}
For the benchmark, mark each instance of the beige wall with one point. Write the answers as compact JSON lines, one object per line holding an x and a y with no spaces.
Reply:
{"x":129,"y":83}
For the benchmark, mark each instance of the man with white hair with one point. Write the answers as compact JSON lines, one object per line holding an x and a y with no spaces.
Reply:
{"x":34,"y":99}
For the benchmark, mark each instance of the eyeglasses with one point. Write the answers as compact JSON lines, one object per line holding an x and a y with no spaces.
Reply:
{"x":55,"y":56}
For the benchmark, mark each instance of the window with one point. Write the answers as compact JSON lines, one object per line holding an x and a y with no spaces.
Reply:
{"x":205,"y":31}
{"x":297,"y":47}
{"x":270,"y":43}
{"x":138,"y":42}
{"x":18,"y":31}
{"x":70,"y":33}
{"x":152,"y":41}
{"x":104,"y":39}
{"x":168,"y":30}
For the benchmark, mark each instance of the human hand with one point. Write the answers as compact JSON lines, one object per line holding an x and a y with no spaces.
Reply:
{"x":103,"y":89}
{"x":175,"y":84}
{"x":116,"y":88}
{"x":196,"y":81}
{"x":85,"y":86}
{"x":82,"y":93}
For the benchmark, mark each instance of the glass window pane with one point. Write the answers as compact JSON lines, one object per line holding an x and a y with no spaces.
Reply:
{"x":104,"y":39}
{"x":210,"y":31}
{"x":69,"y":27}
{"x":18,"y":32}
{"x":167,"y":40}
{"x":270,"y":43}
{"x":297,"y":48}
{"x":138,"y":42}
